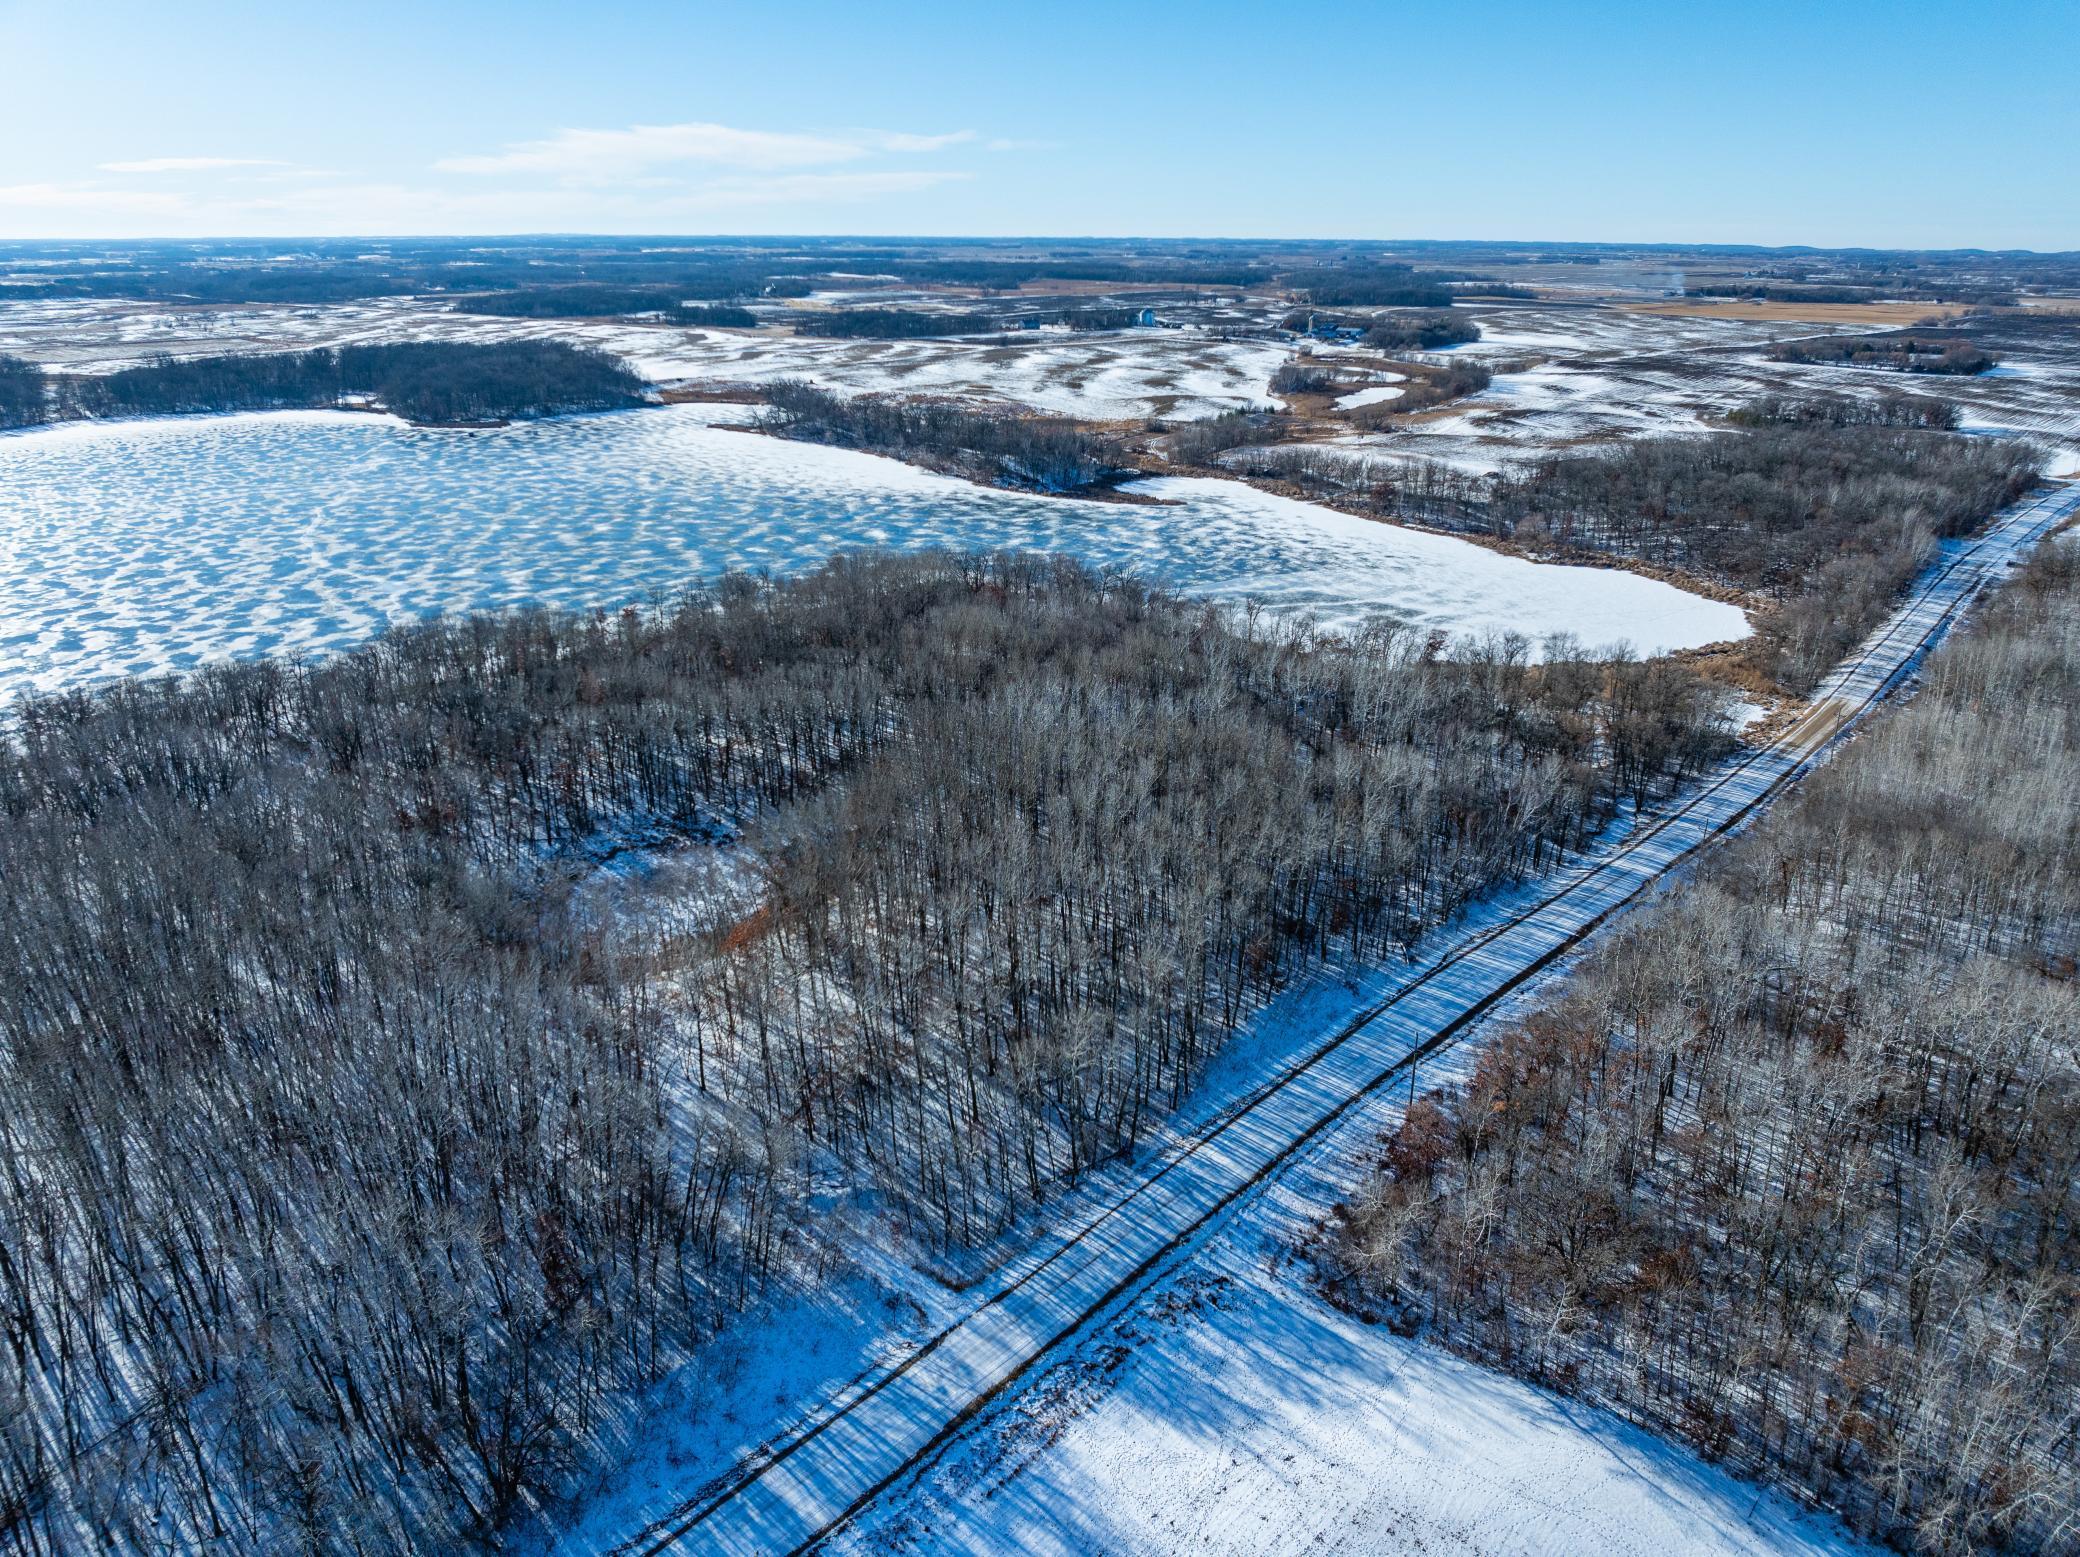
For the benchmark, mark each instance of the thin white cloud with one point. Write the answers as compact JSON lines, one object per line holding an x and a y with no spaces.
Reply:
{"x":791,"y":187}
{"x":189,"y":164}
{"x":89,"y":197}
{"x":647,"y":177}
{"x":880,"y":141}
{"x":607,"y":154}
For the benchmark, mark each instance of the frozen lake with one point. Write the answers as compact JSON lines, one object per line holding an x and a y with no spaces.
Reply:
{"x":141,"y":547}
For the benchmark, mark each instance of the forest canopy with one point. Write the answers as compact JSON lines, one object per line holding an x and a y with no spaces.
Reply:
{"x":1381,"y":286}
{"x":1425,"y":331}
{"x":891,"y":324}
{"x":1789,"y":1171}
{"x":1007,"y":448}
{"x":596,"y":301}
{"x":429,"y":1154}
{"x":430,"y":382}
{"x":24,"y":395}
{"x":1901,"y":353}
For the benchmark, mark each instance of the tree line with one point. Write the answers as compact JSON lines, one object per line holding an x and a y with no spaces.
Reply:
{"x":892,"y":324}
{"x":1426,"y":386}
{"x":1371,"y":286}
{"x":1790,"y":1169}
{"x":1827,"y":523}
{"x":430,"y":382}
{"x":600,"y":301}
{"x":926,"y":324}
{"x":1090,"y":319}
{"x":1823,"y":509}
{"x":1004,"y":275}
{"x":1886,"y":410}
{"x":998,"y":448}
{"x":1901,"y":353}
{"x":24,"y":393}
{"x":1305,"y":376}
{"x":1424,"y":331}
{"x":357,"y":1164}
{"x":1787,"y":292}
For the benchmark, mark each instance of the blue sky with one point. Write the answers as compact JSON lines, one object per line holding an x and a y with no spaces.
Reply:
{"x":1903,"y":124}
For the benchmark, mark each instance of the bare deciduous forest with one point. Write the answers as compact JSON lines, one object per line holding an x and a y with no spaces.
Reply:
{"x":22,"y":397}
{"x":1370,"y":286}
{"x":997,"y":448}
{"x":1421,"y":331}
{"x":891,"y":324}
{"x":359,"y":1158}
{"x":1825,"y":514}
{"x":1789,"y":1171}
{"x":1901,"y":353}
{"x":430,"y":382}
{"x":1829,"y":522}
{"x":1888,"y":410}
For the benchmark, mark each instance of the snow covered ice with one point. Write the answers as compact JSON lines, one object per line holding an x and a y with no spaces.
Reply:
{"x":143,"y":547}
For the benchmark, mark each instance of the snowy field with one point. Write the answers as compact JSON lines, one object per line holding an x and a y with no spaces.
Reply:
{"x":1377,"y":394}
{"x":1568,"y":378}
{"x":1254,"y":1418}
{"x":141,"y":547}
{"x":1131,"y":374}
{"x":1100,"y":377}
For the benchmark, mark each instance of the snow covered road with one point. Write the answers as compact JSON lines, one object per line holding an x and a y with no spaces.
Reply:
{"x":804,"y":1486}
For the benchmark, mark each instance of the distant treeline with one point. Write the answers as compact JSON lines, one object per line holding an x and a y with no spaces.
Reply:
{"x":1421,"y":331}
{"x":1203,"y":439}
{"x":1424,"y":330}
{"x":1778,"y":292}
{"x":601,"y":302}
{"x":1495,"y":289}
{"x":340,"y":283}
{"x":1086,"y":318}
{"x":1009,"y":448}
{"x":1383,"y":286}
{"x":340,"y":270}
{"x":1978,"y":294}
{"x":430,"y":382}
{"x":242,"y":284}
{"x":366,"y":1173}
{"x":1889,"y":410}
{"x":597,"y":302}
{"x":713,"y":316}
{"x":1903,"y":353}
{"x":891,"y":324}
{"x":1008,"y":275}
